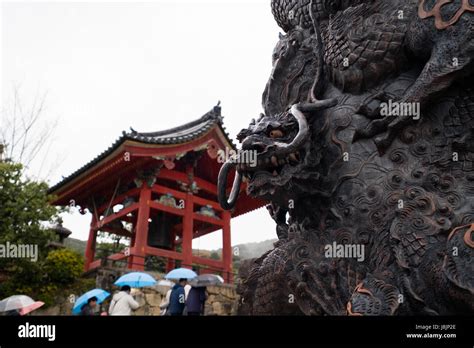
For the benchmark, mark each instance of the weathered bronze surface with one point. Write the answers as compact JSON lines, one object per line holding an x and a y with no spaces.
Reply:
{"x":394,"y":190}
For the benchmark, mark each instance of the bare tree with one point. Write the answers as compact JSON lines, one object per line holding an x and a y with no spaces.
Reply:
{"x":25,"y":133}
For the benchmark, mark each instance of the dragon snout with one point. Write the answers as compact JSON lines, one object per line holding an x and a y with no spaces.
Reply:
{"x":257,"y":143}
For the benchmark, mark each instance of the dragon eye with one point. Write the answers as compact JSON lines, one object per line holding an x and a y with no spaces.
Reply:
{"x":332,"y":6}
{"x":276,"y":133}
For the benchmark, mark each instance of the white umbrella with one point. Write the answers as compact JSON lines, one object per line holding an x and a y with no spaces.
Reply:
{"x":164,"y":282}
{"x":206,"y":280}
{"x":16,"y":302}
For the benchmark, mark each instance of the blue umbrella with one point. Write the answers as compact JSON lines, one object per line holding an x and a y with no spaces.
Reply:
{"x":136,"y":280}
{"x":179,"y":273}
{"x":81,"y":301}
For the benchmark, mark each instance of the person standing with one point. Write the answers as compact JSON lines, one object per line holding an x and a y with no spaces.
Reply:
{"x":187,"y":288}
{"x":123,"y":303}
{"x":196,"y":300}
{"x":89,"y":308}
{"x":177,"y":298}
{"x":165,"y":303}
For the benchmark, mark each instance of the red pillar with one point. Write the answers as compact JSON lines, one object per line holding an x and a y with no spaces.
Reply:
{"x":188,"y":226}
{"x":132,"y":244}
{"x":170,"y":265}
{"x":90,"y":247}
{"x":227,"y":247}
{"x":141,"y":232}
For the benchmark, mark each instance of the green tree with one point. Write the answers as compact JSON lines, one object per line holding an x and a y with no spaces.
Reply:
{"x":215,"y":255}
{"x":63,"y":266}
{"x":24,"y":213}
{"x":24,"y":210}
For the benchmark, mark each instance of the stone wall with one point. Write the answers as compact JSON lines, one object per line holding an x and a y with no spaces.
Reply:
{"x":222,"y":300}
{"x":63,"y":307}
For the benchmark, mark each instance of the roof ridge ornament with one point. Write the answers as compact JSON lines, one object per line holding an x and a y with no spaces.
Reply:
{"x":216,"y":110}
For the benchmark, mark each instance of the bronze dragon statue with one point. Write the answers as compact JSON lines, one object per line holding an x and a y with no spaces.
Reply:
{"x":374,"y":210}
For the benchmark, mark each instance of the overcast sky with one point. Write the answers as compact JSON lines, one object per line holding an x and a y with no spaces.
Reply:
{"x":108,"y":66}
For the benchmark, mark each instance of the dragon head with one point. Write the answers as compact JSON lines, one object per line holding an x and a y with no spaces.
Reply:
{"x":283,"y":151}
{"x":279,"y":143}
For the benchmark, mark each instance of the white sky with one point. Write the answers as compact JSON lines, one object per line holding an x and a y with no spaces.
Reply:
{"x":107,"y":66}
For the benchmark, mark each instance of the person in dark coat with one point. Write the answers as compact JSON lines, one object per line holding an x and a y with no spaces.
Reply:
{"x":177,"y":299}
{"x":196,"y":300}
{"x":89,"y":308}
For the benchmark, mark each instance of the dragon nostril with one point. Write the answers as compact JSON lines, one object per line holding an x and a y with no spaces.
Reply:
{"x":259,"y":148}
{"x":276,"y":133}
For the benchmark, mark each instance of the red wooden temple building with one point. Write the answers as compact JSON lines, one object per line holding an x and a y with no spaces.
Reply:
{"x":159,"y":190}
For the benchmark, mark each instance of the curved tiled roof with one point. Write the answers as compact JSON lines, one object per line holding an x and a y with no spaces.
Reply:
{"x":172,"y":136}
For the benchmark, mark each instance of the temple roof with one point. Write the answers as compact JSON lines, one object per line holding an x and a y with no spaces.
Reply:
{"x":181,"y":134}
{"x":173,"y":136}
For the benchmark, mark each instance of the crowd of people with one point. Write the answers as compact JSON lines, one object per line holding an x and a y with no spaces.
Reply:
{"x":184,"y":299}
{"x":181,"y":299}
